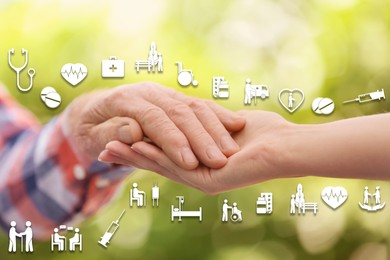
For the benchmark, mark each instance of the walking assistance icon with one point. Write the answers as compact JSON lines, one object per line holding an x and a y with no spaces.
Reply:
{"x":105,"y":239}
{"x":25,"y":238}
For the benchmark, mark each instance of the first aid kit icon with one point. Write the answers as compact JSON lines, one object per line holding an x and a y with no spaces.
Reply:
{"x":113,"y":68}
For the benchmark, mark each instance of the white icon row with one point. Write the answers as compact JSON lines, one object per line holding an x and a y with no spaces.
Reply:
{"x":290,"y":99}
{"x":334,"y":197}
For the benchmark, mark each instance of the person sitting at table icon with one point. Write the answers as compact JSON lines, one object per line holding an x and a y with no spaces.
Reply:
{"x":75,"y":240}
{"x":59,"y":240}
{"x":12,"y":237}
{"x":137,"y":195}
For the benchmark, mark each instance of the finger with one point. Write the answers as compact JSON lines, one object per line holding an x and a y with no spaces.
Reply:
{"x":213,"y":118}
{"x":125,"y":129}
{"x":186,"y":120}
{"x":156,"y":155}
{"x":157,"y":126}
{"x":154,"y":122}
{"x":231,"y":120}
{"x":107,"y":156}
{"x":214,"y":127}
{"x":117,"y":152}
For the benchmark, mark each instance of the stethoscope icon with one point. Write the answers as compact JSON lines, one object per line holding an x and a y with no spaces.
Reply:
{"x":30,"y":72}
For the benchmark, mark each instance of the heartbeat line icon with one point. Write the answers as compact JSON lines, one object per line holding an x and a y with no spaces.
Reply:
{"x":74,"y":73}
{"x":334,"y":194}
{"x":334,"y":197}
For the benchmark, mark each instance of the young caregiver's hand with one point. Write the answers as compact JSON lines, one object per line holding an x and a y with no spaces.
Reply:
{"x":271,"y":147}
{"x":184,"y":128}
{"x":261,"y":156}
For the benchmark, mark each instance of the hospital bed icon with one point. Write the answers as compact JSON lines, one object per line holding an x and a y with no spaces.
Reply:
{"x":179,"y":212}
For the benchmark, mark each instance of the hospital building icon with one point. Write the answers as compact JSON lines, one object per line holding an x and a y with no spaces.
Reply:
{"x":264,"y":203}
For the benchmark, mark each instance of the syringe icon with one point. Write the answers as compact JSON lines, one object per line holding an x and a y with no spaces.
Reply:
{"x":363,"y":98}
{"x":105,"y":239}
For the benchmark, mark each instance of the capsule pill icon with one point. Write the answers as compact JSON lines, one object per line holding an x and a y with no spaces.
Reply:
{"x":322,"y":106}
{"x":50,"y":97}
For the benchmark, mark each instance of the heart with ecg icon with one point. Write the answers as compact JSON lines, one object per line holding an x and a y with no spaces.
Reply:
{"x":288,"y":99}
{"x":74,"y":73}
{"x":334,"y":197}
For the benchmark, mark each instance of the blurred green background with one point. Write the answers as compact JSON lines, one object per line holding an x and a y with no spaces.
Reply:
{"x":328,"y":48}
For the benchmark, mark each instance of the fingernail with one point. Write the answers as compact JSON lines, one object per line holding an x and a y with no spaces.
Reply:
{"x":214,"y":153}
{"x":100,"y":159}
{"x":188,"y":156}
{"x":228,"y":144}
{"x":135,"y":149}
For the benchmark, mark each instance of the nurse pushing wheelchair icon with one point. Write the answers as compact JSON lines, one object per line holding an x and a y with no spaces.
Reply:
{"x":235,"y":214}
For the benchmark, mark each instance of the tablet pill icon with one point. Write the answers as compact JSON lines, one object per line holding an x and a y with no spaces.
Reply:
{"x":322,"y":106}
{"x":50,"y":97}
{"x":46,"y":91}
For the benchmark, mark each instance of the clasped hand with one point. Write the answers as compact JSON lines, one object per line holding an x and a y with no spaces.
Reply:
{"x":188,"y":140}
{"x":186,"y":129}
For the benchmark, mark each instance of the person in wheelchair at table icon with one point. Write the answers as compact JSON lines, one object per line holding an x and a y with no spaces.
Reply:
{"x":138,"y":196}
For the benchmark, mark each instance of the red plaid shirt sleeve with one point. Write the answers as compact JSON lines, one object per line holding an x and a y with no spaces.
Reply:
{"x":43,"y":178}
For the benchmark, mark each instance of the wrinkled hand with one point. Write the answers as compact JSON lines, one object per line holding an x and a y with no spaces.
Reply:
{"x":185,"y":128}
{"x":260,"y":158}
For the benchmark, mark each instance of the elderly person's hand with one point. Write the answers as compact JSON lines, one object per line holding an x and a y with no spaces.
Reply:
{"x":187,"y":129}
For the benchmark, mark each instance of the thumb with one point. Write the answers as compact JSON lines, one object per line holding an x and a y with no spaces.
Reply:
{"x":123,"y":129}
